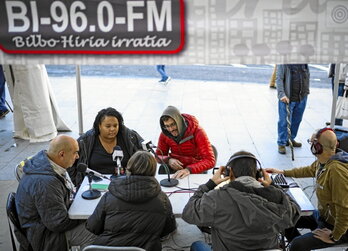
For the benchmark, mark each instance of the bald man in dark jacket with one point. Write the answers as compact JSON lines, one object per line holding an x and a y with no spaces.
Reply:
{"x":43,"y":199}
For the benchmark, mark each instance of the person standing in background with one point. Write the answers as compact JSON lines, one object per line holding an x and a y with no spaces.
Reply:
{"x":3,"y":108}
{"x":272,"y":81}
{"x":164,"y":77}
{"x":293,"y":88}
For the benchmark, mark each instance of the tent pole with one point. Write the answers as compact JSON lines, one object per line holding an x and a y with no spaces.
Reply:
{"x":79,"y":99}
{"x":334,"y":95}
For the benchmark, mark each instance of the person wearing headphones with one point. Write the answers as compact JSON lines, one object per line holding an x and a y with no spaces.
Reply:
{"x":330,"y":223}
{"x":245,"y":214}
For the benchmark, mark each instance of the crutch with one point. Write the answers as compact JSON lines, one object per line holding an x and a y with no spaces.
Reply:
{"x":288,"y":124}
{"x":9,"y":106}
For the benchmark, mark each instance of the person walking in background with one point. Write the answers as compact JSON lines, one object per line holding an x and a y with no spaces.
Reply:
{"x":341,"y":80}
{"x":3,"y":108}
{"x":293,"y":88}
{"x":272,"y":81}
{"x":164,"y":77}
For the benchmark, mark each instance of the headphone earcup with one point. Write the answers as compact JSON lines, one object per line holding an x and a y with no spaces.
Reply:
{"x":313,"y":149}
{"x":227,"y":171}
{"x":259,"y":174}
{"x":316,"y":148}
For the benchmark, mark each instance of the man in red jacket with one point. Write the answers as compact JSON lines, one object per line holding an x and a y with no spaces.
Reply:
{"x":183,"y":144}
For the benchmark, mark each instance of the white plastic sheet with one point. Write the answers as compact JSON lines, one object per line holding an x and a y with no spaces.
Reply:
{"x":36,"y":115}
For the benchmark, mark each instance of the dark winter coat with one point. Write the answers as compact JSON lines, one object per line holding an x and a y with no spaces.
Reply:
{"x":86,"y":142}
{"x":135,"y":212}
{"x":42,"y":202}
{"x":241,"y":217}
{"x":283,"y":81}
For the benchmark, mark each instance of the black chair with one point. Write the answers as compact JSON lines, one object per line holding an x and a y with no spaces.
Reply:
{"x":215,"y":153}
{"x":16,"y":231}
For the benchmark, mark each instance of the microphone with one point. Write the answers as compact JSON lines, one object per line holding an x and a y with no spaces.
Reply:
{"x":83,"y":168}
{"x":117,"y":156}
{"x":169,"y":182}
{"x":147,"y":145}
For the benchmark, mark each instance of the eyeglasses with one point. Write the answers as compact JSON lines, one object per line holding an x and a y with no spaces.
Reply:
{"x":169,"y":126}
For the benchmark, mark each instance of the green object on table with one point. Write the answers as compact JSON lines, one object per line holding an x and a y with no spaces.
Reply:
{"x":100,"y":187}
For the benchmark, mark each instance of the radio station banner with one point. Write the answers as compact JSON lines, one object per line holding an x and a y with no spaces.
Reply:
{"x":173,"y":31}
{"x":92,"y":27}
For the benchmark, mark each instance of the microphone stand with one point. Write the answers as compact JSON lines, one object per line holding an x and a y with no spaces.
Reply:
{"x":169,"y":182}
{"x":91,"y":194}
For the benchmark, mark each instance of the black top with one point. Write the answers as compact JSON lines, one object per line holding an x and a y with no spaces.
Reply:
{"x":297,"y":71}
{"x":102,"y":161}
{"x":130,"y":139}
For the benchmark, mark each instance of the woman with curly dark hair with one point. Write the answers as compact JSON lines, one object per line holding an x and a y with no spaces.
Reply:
{"x":97,"y":144}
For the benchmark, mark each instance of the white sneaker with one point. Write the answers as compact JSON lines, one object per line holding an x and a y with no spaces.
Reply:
{"x":167,"y":81}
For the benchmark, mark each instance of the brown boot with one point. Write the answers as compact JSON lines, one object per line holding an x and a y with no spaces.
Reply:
{"x":294,"y":143}
{"x":281,"y":150}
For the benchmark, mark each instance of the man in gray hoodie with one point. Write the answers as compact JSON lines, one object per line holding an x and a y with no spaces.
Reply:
{"x":245,"y":214}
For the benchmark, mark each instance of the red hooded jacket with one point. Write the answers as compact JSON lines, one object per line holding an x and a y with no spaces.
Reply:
{"x":194,"y":149}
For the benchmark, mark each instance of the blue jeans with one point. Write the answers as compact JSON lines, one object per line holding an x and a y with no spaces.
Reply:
{"x":340,"y":94}
{"x":308,"y":241}
{"x":296,"y":112}
{"x":161,"y":69}
{"x":200,"y":246}
{"x":3,"y":107}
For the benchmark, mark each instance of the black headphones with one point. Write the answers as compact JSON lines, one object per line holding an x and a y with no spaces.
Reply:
{"x":316,"y":147}
{"x":258,"y":170}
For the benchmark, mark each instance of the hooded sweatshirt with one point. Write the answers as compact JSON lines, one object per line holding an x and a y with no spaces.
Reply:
{"x":242,"y":216}
{"x":331,"y":189}
{"x":191,"y":147}
{"x":134,"y":212}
